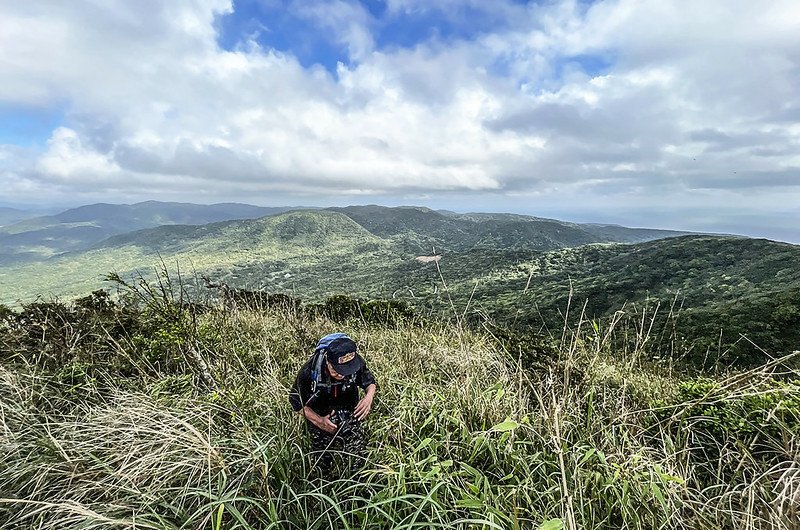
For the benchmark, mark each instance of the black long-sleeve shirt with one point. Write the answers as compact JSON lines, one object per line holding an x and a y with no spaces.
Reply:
{"x":341,"y":396}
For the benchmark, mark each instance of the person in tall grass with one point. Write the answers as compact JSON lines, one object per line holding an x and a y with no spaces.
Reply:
{"x":326,"y":393}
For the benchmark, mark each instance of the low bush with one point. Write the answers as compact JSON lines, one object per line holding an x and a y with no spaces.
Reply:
{"x":387,"y":312}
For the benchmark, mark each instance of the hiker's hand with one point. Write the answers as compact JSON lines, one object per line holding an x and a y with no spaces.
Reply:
{"x":363,"y":408}
{"x":326,"y":424}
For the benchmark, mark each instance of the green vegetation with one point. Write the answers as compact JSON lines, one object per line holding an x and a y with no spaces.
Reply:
{"x":152,"y":411}
{"x":26,"y":237}
{"x":722,"y":299}
{"x":422,"y":229}
{"x":39,"y":238}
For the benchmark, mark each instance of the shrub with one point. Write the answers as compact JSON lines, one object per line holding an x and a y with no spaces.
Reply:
{"x":388,"y":312}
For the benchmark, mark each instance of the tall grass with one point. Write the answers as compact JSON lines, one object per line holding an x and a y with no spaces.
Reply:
{"x":464,"y":433}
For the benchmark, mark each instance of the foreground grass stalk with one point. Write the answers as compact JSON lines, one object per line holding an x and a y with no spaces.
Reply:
{"x":121,"y":430}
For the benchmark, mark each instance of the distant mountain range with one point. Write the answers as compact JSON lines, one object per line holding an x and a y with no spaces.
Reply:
{"x":505,"y":267}
{"x":458,"y":232}
{"x":24,"y":238}
{"x":37,"y":238}
{"x":14,"y":215}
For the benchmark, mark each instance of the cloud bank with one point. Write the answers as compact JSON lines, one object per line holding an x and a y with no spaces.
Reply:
{"x":611,"y":106}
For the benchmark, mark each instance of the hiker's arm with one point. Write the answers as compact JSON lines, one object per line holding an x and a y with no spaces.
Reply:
{"x":322,"y":422}
{"x":365,"y":404}
{"x":300,"y":394}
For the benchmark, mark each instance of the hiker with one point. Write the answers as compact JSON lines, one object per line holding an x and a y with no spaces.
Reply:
{"x":326,"y":393}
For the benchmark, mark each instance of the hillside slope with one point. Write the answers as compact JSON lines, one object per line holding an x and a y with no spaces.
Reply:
{"x":159,"y":416}
{"x":422,"y":229}
{"x":732,"y":295}
{"x":277,"y":246}
{"x":79,"y":228}
{"x":13,"y":215}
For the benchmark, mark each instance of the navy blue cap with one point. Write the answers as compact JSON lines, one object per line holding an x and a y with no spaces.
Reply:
{"x":342,"y":355}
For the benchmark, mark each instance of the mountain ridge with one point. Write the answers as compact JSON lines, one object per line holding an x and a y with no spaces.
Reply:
{"x":421,"y":229}
{"x":9,"y":215}
{"x":511,"y":270}
{"x":80,"y":228}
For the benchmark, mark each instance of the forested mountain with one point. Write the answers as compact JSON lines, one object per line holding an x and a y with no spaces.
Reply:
{"x":423,"y":229}
{"x":79,"y":228}
{"x":521,"y":271}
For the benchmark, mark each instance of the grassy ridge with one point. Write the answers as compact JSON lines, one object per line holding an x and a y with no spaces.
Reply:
{"x":285,"y":244}
{"x":40,"y":237}
{"x":168,"y":415}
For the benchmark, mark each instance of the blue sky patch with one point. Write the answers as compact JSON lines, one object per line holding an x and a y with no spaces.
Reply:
{"x":274,"y":25}
{"x":406,"y":30}
{"x":278,"y":25}
{"x":592,"y":65}
{"x":28,"y":126}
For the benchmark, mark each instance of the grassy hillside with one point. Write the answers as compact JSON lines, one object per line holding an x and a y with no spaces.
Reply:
{"x":76,"y":229}
{"x":162,"y":415}
{"x":282,"y":245}
{"x":423,"y":229}
{"x":694,"y":290}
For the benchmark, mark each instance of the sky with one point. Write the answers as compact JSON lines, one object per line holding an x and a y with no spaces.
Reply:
{"x":671,"y":114}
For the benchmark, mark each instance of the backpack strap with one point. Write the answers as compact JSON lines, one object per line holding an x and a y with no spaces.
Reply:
{"x":316,"y":369}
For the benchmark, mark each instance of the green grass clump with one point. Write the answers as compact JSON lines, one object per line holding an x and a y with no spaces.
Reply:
{"x":152,"y":412}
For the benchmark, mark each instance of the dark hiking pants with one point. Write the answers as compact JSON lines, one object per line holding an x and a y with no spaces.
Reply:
{"x":351,"y":444}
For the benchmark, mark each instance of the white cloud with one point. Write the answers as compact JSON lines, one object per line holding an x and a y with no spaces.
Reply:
{"x":690,"y":96}
{"x":68,"y":160}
